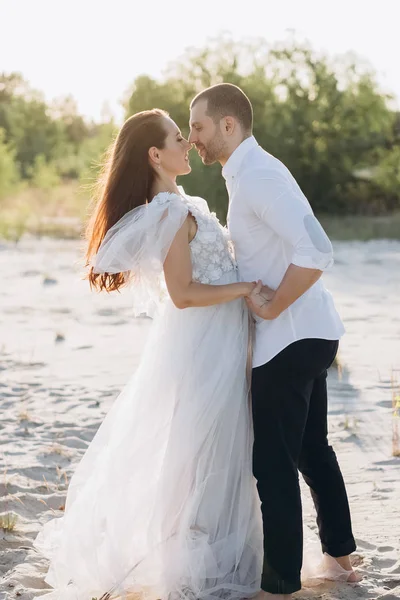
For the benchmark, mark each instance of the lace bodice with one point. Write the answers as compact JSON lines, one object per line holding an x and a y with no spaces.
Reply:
{"x":211,"y":249}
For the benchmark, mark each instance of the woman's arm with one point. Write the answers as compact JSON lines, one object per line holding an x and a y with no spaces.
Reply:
{"x":296,"y":281}
{"x":186,"y":293}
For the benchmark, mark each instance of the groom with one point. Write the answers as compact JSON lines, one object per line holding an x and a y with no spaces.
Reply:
{"x":278,"y":240}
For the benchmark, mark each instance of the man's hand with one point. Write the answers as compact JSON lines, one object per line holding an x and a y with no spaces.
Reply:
{"x":267,"y":292}
{"x":268,"y":305}
{"x":259,"y":299}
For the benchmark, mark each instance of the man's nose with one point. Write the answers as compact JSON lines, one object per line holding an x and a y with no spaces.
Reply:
{"x":192,"y":138}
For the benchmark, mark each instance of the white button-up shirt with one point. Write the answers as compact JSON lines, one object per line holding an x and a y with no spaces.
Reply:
{"x":272,"y":226}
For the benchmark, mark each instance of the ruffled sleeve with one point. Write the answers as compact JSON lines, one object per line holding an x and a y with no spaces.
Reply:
{"x":138,"y":245}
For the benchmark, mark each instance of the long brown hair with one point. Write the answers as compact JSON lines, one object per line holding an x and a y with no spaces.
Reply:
{"x":125,"y":182}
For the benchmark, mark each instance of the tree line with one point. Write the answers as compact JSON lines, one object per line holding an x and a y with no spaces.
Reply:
{"x":327,"y":120}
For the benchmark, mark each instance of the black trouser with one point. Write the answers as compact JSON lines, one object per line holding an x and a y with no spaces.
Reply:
{"x":289,"y":398}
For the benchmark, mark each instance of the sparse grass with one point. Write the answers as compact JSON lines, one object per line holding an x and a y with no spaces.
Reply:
{"x":362,"y":228}
{"x":338,"y":365}
{"x":395,"y":385}
{"x":60,"y":212}
{"x":8,"y":521}
{"x":58,"y":449}
{"x":46,"y":484}
{"x":61,"y":485}
{"x":349,"y":423}
{"x":62,"y":475}
{"x":24,"y":416}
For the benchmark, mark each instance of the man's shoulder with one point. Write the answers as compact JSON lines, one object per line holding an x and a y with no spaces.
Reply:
{"x":260,"y":163}
{"x":260,"y":166}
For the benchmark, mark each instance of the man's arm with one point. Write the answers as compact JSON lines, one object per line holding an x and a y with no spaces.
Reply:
{"x":286,"y":211}
{"x":268,"y":304}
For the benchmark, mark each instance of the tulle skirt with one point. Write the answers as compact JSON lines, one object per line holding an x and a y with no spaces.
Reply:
{"x":163,"y":503}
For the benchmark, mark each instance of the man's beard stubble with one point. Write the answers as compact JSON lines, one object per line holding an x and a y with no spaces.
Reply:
{"x":214,"y":150}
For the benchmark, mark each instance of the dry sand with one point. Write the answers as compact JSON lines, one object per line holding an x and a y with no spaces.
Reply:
{"x":65,"y":353}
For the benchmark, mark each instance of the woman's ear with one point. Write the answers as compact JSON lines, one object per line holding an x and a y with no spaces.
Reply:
{"x":154,"y":156}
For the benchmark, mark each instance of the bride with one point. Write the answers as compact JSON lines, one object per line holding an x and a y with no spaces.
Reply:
{"x":163,"y":503}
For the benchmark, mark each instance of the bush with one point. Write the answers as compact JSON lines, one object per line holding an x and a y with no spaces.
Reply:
{"x":9,"y":176}
{"x":43,"y":175}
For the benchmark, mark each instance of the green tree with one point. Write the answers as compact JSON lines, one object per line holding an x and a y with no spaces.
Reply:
{"x":27,"y":122}
{"x":75,"y":128}
{"x":92,"y":150}
{"x":327,"y":120}
{"x":9,"y":176}
{"x":43,"y":174}
{"x":324,"y":119}
{"x":387,"y":175}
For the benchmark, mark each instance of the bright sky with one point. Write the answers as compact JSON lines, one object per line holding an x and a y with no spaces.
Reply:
{"x":94,"y":49}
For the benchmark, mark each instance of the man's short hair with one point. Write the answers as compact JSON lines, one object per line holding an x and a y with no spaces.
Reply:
{"x":227,"y":100}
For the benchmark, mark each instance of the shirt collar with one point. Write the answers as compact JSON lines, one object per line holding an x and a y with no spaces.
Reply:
{"x":234,"y":162}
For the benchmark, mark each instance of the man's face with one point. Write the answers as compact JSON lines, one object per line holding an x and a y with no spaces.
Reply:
{"x":205,"y":134}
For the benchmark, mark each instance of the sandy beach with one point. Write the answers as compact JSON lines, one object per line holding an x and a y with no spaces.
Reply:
{"x":66,"y":352}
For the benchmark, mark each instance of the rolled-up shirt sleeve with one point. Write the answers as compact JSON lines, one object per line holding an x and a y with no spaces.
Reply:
{"x":285,"y":209}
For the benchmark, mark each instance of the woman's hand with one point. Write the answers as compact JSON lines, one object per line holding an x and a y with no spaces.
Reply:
{"x":258,"y":300}
{"x":248,"y":288}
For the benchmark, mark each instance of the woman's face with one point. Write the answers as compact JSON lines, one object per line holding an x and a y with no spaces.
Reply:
{"x":174,"y":157}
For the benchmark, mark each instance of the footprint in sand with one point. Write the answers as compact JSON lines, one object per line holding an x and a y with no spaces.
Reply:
{"x":49,"y":281}
{"x":18,"y":389}
{"x":385,"y":403}
{"x":60,"y":311}
{"x":384,"y":563}
{"x":396,"y":569}
{"x":75,"y":442}
{"x":106,"y":312}
{"x":390,"y":584}
{"x":385,"y":463}
{"x":365,"y":545}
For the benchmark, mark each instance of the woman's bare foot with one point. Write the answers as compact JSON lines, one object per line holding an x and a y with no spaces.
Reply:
{"x":268,"y":596}
{"x":344,"y":564}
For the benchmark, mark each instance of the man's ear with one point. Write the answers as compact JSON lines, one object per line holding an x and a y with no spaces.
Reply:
{"x":228,"y":125}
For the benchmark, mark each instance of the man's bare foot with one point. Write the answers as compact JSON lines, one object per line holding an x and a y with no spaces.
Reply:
{"x":268,"y":596}
{"x":344,"y":563}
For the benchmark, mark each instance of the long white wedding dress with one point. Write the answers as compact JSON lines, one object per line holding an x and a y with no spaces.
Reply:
{"x":163,"y":503}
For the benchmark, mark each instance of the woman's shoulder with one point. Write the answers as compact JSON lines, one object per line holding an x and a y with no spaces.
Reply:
{"x":167,"y":204}
{"x":196,"y":201}
{"x":165,"y":198}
